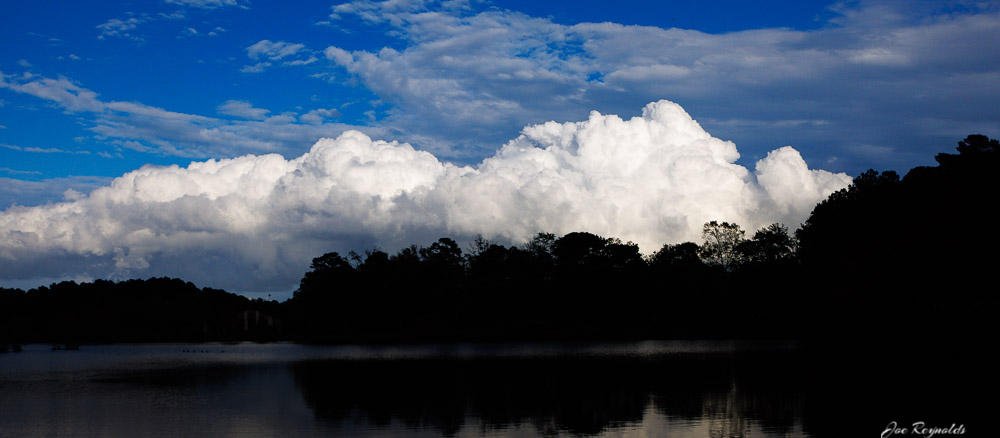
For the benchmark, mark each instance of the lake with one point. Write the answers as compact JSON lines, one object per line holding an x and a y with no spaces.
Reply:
{"x":640,"y":389}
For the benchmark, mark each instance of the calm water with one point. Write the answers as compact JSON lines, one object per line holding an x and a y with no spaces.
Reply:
{"x":675,"y":389}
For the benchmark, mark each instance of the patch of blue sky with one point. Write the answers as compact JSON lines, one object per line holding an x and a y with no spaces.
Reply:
{"x":711,"y":16}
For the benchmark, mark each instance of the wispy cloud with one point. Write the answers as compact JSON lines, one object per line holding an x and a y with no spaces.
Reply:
{"x":127,"y":27}
{"x":122,"y":28}
{"x":43,"y":150}
{"x":16,"y":191}
{"x":468,"y":79}
{"x":10,"y":171}
{"x":317,"y":116}
{"x":207,"y":4}
{"x":158,"y":131}
{"x":61,"y":91}
{"x":273,"y":50}
{"x":267,"y":51}
{"x":256,"y":68}
{"x":242,"y":109}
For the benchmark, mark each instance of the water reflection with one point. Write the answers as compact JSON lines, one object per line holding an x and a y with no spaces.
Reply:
{"x":728,"y":396}
{"x":682,"y":390}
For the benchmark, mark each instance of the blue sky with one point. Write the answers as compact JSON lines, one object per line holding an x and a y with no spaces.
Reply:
{"x":191,"y":57}
{"x":91,"y":91}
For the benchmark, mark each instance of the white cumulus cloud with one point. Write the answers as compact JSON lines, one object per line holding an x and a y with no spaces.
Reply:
{"x":254,"y":222}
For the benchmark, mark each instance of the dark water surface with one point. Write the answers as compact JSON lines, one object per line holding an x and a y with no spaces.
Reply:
{"x":675,"y":389}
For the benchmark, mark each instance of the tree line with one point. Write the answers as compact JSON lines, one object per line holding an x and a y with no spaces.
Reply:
{"x":886,"y":257}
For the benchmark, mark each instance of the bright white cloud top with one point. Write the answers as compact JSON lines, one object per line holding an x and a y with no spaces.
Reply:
{"x":252,"y":223}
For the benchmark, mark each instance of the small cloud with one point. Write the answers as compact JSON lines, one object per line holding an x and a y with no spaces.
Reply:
{"x":53,"y":41}
{"x":206,"y":4}
{"x":121,"y":28}
{"x":73,"y":195}
{"x":242,"y":109}
{"x":178,"y":15}
{"x":135,"y":146}
{"x":656,"y":72}
{"x":24,"y":63}
{"x":55,"y":151}
{"x":43,"y":150}
{"x":870,"y":150}
{"x":878,"y":56}
{"x":331,"y":78}
{"x":74,"y":57}
{"x":338,"y":55}
{"x":788,"y":123}
{"x":311,"y":60}
{"x":273,"y":50}
{"x":256,"y":68}
{"x":192,"y":31}
{"x":316,"y":116}
{"x":281,"y":119}
{"x":267,"y":51}
{"x":19,"y":172}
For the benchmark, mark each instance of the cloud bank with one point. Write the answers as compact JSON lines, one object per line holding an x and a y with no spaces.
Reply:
{"x":252,"y":223}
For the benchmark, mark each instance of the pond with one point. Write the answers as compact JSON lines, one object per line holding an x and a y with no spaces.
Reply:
{"x":661,"y":388}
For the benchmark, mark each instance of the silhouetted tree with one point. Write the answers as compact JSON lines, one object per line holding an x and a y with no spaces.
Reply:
{"x":768,"y":245}
{"x":541,"y":245}
{"x":325,"y":272}
{"x":478,"y":245}
{"x":833,"y":233}
{"x":443,"y":256}
{"x":376,"y":264}
{"x":971,"y":150}
{"x":721,"y":242}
